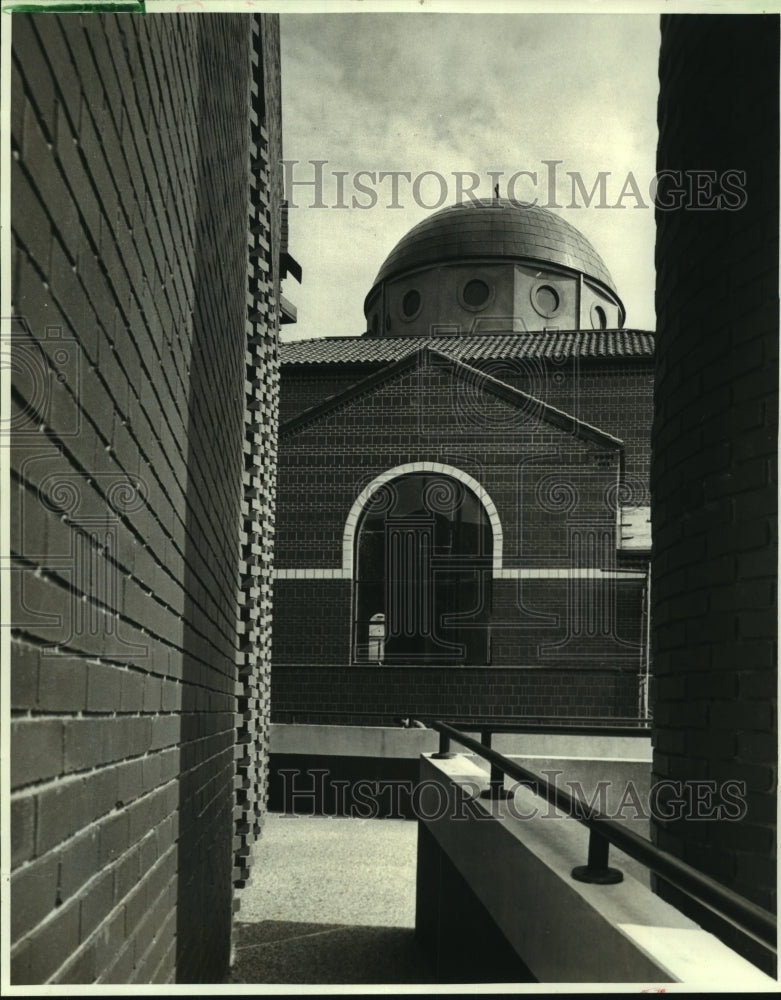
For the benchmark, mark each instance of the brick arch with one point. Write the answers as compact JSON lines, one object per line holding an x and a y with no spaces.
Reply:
{"x":351,"y":524}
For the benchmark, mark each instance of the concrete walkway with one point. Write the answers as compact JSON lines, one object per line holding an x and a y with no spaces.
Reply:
{"x":330,"y":901}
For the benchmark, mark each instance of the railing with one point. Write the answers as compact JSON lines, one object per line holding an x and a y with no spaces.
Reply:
{"x":573,"y":725}
{"x":589,"y":725}
{"x":726,"y":904}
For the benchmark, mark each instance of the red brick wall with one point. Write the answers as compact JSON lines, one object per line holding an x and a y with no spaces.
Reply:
{"x":130,"y":187}
{"x":715,"y":445}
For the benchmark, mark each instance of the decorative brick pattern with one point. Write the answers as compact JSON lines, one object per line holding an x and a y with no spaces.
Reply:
{"x":131,"y":179}
{"x":259,"y":474}
{"x":611,"y":391}
{"x":542,"y":478}
{"x":715,"y":445}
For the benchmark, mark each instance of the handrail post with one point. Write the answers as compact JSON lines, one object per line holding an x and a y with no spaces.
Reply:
{"x":604,"y":832}
{"x":597,"y":870}
{"x":496,"y":789}
{"x":444,"y":752}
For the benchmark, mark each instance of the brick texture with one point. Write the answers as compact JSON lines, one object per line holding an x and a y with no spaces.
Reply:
{"x":136,"y":142}
{"x":714,"y":445}
{"x":615,"y":395}
{"x":549,"y":487}
{"x":260,"y":454}
{"x":376,"y":696}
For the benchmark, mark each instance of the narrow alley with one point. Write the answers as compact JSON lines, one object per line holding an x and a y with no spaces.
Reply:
{"x":330,"y":900}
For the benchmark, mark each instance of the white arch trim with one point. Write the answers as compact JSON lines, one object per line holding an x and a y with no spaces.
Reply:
{"x":351,"y":525}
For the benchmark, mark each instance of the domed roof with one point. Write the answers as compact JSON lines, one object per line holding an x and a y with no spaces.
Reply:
{"x":495,"y":228}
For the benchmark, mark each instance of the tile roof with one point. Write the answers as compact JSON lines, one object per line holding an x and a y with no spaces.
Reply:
{"x":556,"y":345}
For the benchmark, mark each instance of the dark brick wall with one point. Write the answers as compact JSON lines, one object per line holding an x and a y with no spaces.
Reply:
{"x":374,"y":696}
{"x":714,"y":444}
{"x":546,"y":485}
{"x":303,"y":386}
{"x":130,"y":191}
{"x":532,"y":623}
{"x":616,"y":396}
{"x":427,"y":413}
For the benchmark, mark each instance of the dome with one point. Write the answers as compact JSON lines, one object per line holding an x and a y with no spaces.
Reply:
{"x":495,"y":229}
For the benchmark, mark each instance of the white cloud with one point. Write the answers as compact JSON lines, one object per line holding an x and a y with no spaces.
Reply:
{"x":447,"y":92}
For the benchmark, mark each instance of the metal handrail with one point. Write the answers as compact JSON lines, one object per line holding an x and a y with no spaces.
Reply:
{"x":475,"y":721}
{"x":577,"y":725}
{"x":611,"y":727}
{"x":727,"y":904}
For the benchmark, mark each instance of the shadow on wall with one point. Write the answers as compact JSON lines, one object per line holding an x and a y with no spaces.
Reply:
{"x":214,"y":468}
{"x":715,"y":447}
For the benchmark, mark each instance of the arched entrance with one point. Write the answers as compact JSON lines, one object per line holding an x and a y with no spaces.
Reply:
{"x":423,"y":570}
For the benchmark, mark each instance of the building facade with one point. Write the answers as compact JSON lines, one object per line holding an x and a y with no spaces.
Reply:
{"x":148,"y":248}
{"x":715,"y":446}
{"x":463,"y":521}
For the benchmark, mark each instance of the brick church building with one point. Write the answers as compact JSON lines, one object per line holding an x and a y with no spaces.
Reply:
{"x":462,"y":510}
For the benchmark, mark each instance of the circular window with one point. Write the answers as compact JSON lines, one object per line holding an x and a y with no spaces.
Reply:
{"x":546,"y":300}
{"x":410,"y":304}
{"x":476,"y":293}
{"x":598,"y":318}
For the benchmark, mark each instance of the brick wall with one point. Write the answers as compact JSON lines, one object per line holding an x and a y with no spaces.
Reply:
{"x":532,"y":623}
{"x":714,"y":444}
{"x":616,"y":396}
{"x":426,"y":413}
{"x":260,"y":451}
{"x":546,"y":485}
{"x":374,"y":696}
{"x":303,"y":386}
{"x":130,"y":195}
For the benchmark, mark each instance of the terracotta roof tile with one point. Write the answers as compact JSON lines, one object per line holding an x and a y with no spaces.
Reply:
{"x":561,"y":344}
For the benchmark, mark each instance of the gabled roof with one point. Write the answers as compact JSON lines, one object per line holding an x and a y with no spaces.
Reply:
{"x":423,"y":356}
{"x":556,"y":345}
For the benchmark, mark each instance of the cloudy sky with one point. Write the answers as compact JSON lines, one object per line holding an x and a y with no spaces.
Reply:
{"x":452,"y":93}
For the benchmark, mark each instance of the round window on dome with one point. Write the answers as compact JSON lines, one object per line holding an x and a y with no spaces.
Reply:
{"x":410,"y":303}
{"x":598,"y":318}
{"x":476,"y":293}
{"x":546,"y":300}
